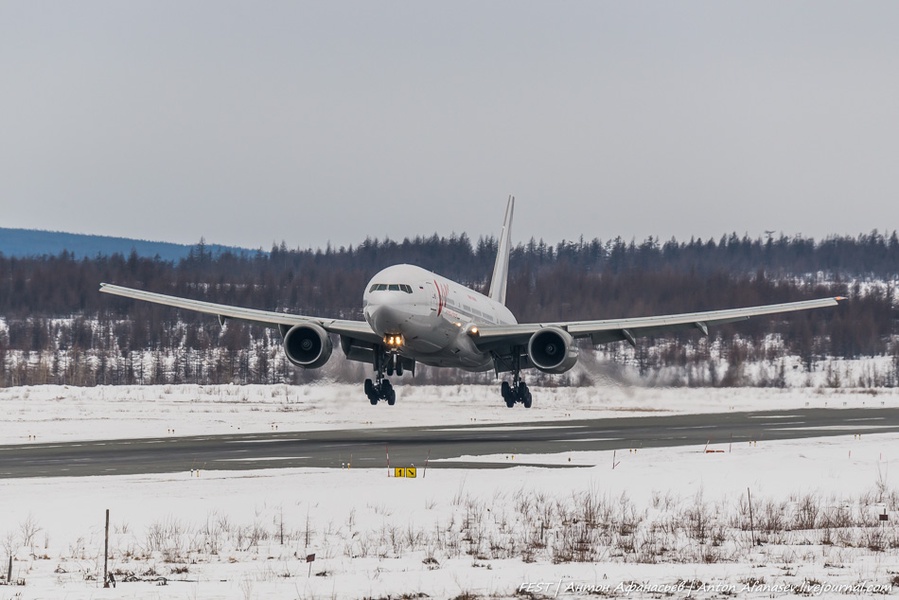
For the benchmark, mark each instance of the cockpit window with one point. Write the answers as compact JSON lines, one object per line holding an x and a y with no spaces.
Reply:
{"x":392,"y":287}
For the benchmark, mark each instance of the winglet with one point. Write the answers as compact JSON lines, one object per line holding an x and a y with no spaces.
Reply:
{"x":501,"y":268}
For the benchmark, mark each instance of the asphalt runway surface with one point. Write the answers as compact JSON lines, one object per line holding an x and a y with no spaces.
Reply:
{"x":407,"y":446}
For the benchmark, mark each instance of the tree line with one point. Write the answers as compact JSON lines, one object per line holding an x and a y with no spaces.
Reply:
{"x":56,"y":326}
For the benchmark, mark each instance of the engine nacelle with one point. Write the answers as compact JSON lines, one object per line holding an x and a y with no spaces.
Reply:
{"x":552,"y":350}
{"x":308,"y":345}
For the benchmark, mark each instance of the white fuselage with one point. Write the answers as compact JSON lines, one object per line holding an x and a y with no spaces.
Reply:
{"x":434,"y":316}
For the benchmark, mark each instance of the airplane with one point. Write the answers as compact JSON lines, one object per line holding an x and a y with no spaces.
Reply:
{"x":413,"y":315}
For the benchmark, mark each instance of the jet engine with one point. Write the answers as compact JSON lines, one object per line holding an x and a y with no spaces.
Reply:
{"x":307,"y":345}
{"x":552,"y":350}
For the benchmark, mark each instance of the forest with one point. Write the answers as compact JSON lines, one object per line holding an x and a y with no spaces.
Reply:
{"x":56,"y":328}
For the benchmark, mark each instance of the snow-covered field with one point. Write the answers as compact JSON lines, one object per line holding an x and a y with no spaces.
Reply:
{"x":660,"y":521}
{"x":60,"y":413}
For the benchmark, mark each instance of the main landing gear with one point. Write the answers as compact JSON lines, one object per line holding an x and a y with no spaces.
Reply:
{"x":380,"y":388}
{"x":517,"y":392}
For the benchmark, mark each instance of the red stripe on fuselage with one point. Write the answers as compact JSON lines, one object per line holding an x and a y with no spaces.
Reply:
{"x":442,"y":295}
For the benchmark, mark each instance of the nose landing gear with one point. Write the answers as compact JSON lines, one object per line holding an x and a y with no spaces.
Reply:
{"x":394,"y":365}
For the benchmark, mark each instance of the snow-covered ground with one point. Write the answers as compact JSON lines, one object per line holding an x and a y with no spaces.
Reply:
{"x":59,"y":413}
{"x":632,"y":524}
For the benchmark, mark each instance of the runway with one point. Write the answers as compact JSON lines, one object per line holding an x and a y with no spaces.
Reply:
{"x":368,"y":448}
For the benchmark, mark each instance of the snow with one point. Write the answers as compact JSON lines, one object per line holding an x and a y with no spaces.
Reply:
{"x":65,"y":413}
{"x":378,"y":536}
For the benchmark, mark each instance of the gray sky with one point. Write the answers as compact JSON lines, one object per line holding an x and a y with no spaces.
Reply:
{"x":253,"y":122}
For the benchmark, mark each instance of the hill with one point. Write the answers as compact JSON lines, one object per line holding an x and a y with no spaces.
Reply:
{"x":21,"y":243}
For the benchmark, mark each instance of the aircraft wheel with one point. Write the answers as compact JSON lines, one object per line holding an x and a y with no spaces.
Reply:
{"x":525,"y":394}
{"x":506,"y":391}
{"x":387,"y":393}
{"x":371,"y":391}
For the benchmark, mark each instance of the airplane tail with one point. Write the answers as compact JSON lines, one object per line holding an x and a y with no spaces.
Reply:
{"x":501,"y":268}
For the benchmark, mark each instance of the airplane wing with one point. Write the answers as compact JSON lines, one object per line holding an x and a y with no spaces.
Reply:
{"x":496,"y":337}
{"x":355,"y":329}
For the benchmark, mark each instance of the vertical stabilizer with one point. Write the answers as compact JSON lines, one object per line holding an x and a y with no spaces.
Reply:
{"x":501,"y":268}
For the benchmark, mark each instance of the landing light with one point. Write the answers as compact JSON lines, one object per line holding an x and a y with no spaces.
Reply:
{"x":474,"y":331}
{"x":393,"y":341}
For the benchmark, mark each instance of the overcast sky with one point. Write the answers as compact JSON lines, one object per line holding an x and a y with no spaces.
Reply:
{"x":255,"y":122}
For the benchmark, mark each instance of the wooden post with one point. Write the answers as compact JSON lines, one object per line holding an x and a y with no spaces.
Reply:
{"x":106,"y":554}
{"x":751,"y":527}
{"x":9,"y":572}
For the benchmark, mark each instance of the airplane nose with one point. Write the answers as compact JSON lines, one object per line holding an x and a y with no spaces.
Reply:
{"x":384,"y":318}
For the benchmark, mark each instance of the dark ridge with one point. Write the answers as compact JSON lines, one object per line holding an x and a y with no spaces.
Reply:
{"x":22,"y":243}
